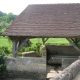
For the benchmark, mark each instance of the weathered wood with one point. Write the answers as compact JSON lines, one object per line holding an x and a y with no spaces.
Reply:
{"x":14,"y":48}
{"x":21,"y":45}
{"x":44,"y":40}
{"x":18,"y":44}
{"x":73,"y":44}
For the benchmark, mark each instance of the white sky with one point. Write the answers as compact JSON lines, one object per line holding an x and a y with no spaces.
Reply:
{"x":17,"y":6}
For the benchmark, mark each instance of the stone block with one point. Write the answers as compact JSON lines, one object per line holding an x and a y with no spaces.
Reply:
{"x":67,"y":61}
{"x":33,"y":64}
{"x":29,"y":54}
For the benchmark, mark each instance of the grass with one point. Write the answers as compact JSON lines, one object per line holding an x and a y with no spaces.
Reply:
{"x":4,"y":41}
{"x":51,"y":41}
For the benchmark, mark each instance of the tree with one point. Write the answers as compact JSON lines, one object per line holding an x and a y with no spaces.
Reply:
{"x":10,"y":17}
{"x":3,"y":26}
{"x":2,"y":14}
{"x":6,"y":20}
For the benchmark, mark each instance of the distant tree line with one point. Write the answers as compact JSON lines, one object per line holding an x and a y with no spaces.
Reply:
{"x":6,"y":20}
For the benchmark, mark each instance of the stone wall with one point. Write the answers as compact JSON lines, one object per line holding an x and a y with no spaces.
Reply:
{"x":26,"y":67}
{"x":67,"y":61}
{"x":69,"y":73}
{"x":61,"y":50}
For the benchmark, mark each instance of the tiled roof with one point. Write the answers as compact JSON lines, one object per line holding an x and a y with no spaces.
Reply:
{"x":47,"y":20}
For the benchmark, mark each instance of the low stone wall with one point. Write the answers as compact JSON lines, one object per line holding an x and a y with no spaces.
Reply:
{"x":69,"y":73}
{"x":61,"y":50}
{"x":26,"y":67}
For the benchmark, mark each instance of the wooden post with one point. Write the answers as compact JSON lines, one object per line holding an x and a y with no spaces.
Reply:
{"x":43,"y":41}
{"x":14,"y":48}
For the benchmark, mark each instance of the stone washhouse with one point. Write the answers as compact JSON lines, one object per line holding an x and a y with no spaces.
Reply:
{"x":43,"y":21}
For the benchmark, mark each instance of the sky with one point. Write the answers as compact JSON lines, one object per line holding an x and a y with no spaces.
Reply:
{"x":17,"y":6}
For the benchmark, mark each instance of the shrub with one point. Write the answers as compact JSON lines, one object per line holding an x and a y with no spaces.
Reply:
{"x":5,"y":50}
{"x":3,"y":70}
{"x":35,"y":47}
{"x":38,"y":51}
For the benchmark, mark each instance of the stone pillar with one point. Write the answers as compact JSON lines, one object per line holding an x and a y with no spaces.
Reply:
{"x":44,"y":56}
{"x":43,"y":51}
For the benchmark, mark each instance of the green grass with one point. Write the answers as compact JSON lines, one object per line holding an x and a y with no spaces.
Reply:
{"x":4,"y":41}
{"x":51,"y":41}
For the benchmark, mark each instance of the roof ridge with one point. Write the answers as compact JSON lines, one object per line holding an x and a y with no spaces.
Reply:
{"x":55,"y":4}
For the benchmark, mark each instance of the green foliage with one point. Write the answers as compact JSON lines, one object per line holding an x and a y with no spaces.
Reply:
{"x":5,"y":50}
{"x":6,"y":20}
{"x":10,"y":17}
{"x":3,"y":71}
{"x":76,"y":41}
{"x":3,"y":26}
{"x":38,"y":45}
{"x":35,"y":47}
{"x":7,"y":17}
{"x":2,"y":14}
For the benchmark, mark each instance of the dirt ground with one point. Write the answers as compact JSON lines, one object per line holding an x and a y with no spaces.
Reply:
{"x":52,"y":70}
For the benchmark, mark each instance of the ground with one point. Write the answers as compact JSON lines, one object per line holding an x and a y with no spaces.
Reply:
{"x":52,"y":70}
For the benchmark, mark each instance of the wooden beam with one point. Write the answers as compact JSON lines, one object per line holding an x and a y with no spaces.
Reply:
{"x":44,"y":40}
{"x":73,"y":44}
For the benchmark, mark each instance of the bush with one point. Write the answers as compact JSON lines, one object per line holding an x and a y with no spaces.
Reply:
{"x":38,"y":51}
{"x":35,"y":48}
{"x":5,"y":50}
{"x":3,"y":70}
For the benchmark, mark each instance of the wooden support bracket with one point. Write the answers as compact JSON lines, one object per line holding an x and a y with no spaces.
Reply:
{"x":44,"y":40}
{"x":73,"y":44}
{"x":17,"y":46}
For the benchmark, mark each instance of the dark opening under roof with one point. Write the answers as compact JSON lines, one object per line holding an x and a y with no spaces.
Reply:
{"x":47,"y":20}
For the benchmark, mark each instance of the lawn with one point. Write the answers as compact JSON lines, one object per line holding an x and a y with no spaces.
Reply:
{"x":51,"y":41}
{"x":4,"y":41}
